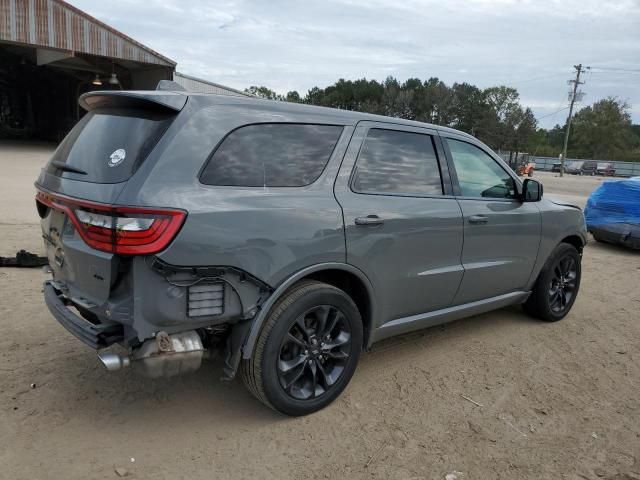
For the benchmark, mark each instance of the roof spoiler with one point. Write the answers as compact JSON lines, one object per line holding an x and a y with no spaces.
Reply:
{"x":162,"y":100}
{"x":170,"y":86}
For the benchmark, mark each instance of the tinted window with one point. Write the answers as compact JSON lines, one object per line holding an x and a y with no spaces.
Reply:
{"x":272,"y":155}
{"x":479,"y":175}
{"x":393,"y":161}
{"x":108,"y":145}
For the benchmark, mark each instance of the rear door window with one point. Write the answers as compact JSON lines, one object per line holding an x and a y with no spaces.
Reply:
{"x":397,"y":162}
{"x":108,"y":145}
{"x":272,"y":155}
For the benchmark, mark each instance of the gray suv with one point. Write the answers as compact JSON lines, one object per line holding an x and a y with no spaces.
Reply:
{"x":290,"y":237}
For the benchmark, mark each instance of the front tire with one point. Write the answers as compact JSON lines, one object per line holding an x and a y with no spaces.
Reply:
{"x":557,"y":286}
{"x":307,"y":350}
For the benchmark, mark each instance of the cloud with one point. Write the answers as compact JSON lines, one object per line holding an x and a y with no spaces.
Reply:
{"x":286,"y":45}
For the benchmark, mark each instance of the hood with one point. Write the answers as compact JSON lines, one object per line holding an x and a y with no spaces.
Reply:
{"x":562,"y":203}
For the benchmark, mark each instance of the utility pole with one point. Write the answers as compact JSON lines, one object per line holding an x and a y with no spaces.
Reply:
{"x":573,"y":97}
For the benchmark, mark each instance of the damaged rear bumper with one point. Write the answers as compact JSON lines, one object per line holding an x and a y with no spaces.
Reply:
{"x":96,"y":335}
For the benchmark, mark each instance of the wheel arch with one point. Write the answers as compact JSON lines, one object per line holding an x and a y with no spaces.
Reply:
{"x":574,"y":240}
{"x":341,"y":275}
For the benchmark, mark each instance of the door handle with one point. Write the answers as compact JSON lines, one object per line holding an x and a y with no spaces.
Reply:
{"x":478,"y":219}
{"x":369,"y":220}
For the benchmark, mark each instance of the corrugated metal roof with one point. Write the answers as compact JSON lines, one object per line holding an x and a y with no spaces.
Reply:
{"x":56,"y":24}
{"x":197,"y":85}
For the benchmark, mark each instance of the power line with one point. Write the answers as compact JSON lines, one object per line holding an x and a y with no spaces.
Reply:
{"x":631,"y":70}
{"x":616,"y":72}
{"x":525,"y":80}
{"x":554,"y":113}
{"x":544,"y":77}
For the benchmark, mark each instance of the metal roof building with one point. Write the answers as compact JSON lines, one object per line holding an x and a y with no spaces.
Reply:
{"x":198,"y":85}
{"x":52,"y":52}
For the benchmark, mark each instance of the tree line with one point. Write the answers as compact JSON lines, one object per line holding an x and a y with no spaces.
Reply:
{"x":495,"y":115}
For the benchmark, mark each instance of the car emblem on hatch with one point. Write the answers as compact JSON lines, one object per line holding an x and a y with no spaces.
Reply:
{"x":117,"y":157}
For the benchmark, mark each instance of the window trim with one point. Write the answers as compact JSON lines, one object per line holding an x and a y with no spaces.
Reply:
{"x":437,"y":149}
{"x":454,"y":174}
{"x":238,"y":127}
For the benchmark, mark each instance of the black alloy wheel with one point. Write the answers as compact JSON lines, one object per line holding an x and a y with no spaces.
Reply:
{"x":314,"y":353}
{"x":307,"y":350}
{"x":563,"y":284}
{"x":557,"y":286}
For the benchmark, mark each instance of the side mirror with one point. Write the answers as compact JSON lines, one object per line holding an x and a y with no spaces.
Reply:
{"x":531,"y":191}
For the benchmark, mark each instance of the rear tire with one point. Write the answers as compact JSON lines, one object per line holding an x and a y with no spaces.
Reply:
{"x":307,"y":350}
{"x":557,"y":286}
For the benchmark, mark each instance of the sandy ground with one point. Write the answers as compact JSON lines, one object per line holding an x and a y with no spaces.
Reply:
{"x":556,"y":400}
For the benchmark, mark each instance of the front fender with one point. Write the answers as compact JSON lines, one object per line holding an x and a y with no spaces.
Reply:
{"x":558,"y":223}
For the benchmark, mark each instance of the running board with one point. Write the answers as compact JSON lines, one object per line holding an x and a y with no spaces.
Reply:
{"x":426,"y":320}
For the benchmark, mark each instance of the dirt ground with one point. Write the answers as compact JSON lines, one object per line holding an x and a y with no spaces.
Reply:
{"x":555,"y":400}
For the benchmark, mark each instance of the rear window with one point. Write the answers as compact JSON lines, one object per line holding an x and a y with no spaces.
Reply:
{"x":108,"y":145}
{"x":272,"y":155}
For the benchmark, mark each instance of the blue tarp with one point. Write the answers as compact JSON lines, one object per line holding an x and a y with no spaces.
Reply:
{"x":614,"y":202}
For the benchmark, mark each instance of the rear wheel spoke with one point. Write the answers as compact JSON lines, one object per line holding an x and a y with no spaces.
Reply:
{"x":339,"y":355}
{"x":285,"y":366}
{"x":325,"y":376}
{"x":300,"y":323}
{"x":313,"y":366}
{"x":333,"y":321}
{"x":293,"y":339}
{"x":343,"y":338}
{"x":322,"y":314}
{"x":296,"y":376}
{"x":314,"y":352}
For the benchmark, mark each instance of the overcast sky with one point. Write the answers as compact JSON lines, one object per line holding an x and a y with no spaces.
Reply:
{"x":287,"y":45}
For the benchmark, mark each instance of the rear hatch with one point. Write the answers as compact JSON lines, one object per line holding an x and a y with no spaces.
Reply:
{"x":84,"y":231}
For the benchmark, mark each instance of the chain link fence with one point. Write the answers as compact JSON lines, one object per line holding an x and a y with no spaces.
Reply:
{"x":622,"y":169}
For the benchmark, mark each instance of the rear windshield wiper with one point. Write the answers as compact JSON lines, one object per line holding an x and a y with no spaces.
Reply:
{"x":67,"y":168}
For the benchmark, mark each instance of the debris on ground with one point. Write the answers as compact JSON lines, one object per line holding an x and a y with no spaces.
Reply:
{"x":471,"y":400}
{"x":24,"y":259}
{"x":377,"y":452}
{"x":121,"y":472}
{"x":454,"y":476}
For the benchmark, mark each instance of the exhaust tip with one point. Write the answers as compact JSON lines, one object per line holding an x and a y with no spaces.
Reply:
{"x":113,"y":361}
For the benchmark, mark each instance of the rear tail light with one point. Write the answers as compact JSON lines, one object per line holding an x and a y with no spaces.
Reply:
{"x":115,"y":229}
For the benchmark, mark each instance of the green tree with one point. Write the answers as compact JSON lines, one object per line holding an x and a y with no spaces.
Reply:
{"x":520,"y":125}
{"x":467,"y":107}
{"x":263,"y":92}
{"x":494,"y":115}
{"x":293,"y":97}
{"x":604,"y":131}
